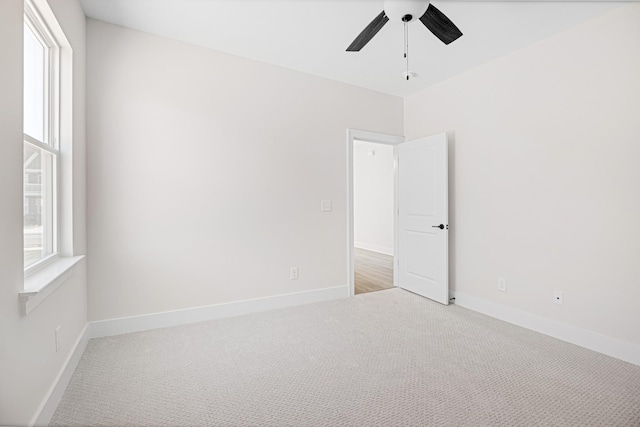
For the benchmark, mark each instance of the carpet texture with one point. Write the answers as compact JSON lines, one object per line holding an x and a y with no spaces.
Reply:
{"x":387,"y":358}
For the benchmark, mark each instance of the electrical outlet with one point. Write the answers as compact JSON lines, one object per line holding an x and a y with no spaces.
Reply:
{"x":557,"y":297}
{"x":58,"y":343}
{"x":294,"y":273}
{"x":502,"y":284}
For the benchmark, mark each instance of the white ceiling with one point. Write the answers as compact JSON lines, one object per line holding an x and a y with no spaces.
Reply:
{"x":311,"y":35}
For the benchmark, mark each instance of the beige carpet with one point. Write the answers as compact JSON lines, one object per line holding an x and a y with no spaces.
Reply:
{"x":387,"y":358}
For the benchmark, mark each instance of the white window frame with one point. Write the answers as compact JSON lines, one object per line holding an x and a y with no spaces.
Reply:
{"x":50,"y":144}
{"x":42,"y":278}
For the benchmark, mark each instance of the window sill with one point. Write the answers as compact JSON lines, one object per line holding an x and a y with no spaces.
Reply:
{"x":41,"y":283}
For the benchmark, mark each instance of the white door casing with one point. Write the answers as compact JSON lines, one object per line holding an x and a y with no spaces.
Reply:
{"x":422,"y":246}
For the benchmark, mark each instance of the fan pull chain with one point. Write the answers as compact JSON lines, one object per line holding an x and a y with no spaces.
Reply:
{"x":406,"y":47}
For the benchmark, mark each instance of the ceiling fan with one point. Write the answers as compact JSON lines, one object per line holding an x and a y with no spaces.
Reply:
{"x":408,"y":11}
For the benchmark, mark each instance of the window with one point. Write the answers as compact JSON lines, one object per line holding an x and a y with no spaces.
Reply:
{"x":48,"y":140}
{"x":41,"y":150}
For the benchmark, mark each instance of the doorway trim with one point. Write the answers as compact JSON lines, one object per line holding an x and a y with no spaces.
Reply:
{"x":378,"y":138}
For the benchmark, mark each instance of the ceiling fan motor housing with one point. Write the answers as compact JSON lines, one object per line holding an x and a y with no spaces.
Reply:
{"x":405,"y":10}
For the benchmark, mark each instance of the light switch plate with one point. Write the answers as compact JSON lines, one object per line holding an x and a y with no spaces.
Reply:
{"x":325,"y":206}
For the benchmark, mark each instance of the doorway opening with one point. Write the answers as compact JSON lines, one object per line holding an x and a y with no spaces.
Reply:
{"x":373,"y":219}
{"x":373,"y":204}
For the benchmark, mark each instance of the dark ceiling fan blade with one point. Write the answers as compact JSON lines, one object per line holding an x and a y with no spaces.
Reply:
{"x":367,"y":34}
{"x":440,"y":25}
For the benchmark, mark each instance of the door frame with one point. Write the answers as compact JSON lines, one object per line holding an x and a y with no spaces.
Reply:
{"x":378,"y":138}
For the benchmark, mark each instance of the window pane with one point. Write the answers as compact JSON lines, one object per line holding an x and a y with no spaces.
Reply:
{"x":34,"y":85}
{"x":38,"y":204}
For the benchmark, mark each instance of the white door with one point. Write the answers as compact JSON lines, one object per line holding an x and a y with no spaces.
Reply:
{"x":423,"y":230}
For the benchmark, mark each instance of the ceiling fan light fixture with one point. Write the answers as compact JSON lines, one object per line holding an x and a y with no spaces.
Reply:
{"x":405,"y":10}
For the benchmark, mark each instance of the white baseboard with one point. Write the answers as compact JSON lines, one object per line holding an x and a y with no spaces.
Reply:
{"x":105,"y":328}
{"x":613,"y":347}
{"x":52,"y":399}
{"x":374,"y":248}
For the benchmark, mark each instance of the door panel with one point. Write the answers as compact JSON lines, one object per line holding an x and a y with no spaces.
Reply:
{"x":422,"y":207}
{"x":420,"y":255}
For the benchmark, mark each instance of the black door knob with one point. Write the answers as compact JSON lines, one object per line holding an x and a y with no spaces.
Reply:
{"x":441,"y":226}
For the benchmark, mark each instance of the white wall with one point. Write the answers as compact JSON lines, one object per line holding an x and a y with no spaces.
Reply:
{"x":373,"y":196}
{"x":29,"y":363}
{"x":545,"y":173}
{"x":206,"y":172}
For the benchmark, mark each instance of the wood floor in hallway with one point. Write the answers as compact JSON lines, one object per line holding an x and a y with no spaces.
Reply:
{"x":373,"y":271}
